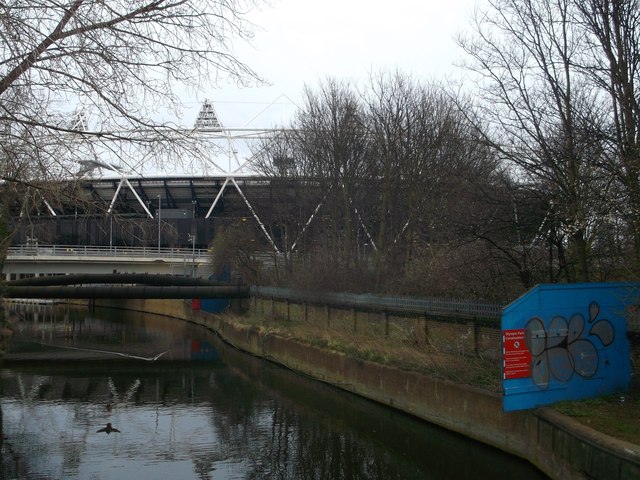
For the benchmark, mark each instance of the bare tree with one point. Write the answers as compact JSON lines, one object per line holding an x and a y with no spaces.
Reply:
{"x":539,"y":109}
{"x":612,"y":62}
{"x":124,"y":58}
{"x":87,"y":80}
{"x":395,"y":167}
{"x":392,"y":118}
{"x":334,"y":141}
{"x":424,"y":157}
{"x":234,"y":251}
{"x":295,"y":196}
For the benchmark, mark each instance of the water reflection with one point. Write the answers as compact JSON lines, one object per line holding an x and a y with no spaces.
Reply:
{"x":64,"y":332}
{"x":221,"y":415}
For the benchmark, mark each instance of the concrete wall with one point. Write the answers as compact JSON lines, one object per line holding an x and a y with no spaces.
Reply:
{"x":558,"y":445}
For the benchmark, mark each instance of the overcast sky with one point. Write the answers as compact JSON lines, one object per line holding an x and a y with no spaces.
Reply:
{"x":300,"y":42}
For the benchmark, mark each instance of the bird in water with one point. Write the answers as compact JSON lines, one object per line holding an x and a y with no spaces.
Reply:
{"x":108,"y":429}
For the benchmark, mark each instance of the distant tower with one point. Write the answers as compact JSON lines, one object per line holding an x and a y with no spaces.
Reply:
{"x":207,"y":118}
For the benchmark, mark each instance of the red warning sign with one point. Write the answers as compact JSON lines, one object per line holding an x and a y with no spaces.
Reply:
{"x":516,"y":357}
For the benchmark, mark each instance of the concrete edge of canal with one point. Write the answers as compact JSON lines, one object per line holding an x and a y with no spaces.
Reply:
{"x":558,"y":445}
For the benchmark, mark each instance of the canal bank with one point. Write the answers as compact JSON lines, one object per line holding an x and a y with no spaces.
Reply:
{"x":556,"y":444}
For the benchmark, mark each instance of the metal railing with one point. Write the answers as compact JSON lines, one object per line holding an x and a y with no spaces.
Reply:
{"x":105,"y":251}
{"x":434,"y":305}
{"x":462,"y":327}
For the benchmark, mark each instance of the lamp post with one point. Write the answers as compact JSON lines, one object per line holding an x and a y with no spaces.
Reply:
{"x":192,"y":239}
{"x":159,"y":215}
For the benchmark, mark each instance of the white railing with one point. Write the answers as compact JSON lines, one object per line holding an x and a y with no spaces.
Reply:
{"x":105,"y":251}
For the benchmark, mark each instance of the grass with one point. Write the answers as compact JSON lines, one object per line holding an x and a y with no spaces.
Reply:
{"x":615,"y":415}
{"x":392,"y":350}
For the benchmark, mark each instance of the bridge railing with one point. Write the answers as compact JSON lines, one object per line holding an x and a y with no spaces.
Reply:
{"x":105,"y":251}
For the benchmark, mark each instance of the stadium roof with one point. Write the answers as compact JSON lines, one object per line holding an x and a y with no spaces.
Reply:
{"x":177,"y":195}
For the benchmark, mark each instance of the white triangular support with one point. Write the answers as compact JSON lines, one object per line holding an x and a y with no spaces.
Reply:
{"x":255,"y":215}
{"x":123,"y":181}
{"x":246,"y":201}
{"x":218,"y":197}
{"x":306,"y":225}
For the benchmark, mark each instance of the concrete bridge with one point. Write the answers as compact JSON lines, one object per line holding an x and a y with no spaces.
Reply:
{"x":25,"y":261}
{"x":59,"y":271}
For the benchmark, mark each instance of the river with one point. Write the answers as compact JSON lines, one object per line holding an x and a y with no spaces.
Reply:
{"x":184,"y":405}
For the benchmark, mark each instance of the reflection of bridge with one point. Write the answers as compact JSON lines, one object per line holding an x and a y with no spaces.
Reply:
{"x":46,"y":260}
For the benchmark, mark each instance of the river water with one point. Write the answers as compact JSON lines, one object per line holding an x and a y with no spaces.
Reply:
{"x":187,"y":406}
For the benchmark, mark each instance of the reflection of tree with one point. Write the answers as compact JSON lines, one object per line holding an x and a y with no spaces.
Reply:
{"x":251,"y":421}
{"x":2,"y":452}
{"x":29,"y":390}
{"x":280,"y":439}
{"x":262,"y":433}
{"x":302,"y":448}
{"x":203,"y":466}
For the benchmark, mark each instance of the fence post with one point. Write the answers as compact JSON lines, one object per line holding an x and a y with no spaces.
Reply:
{"x":354,"y":315}
{"x":306,"y":312}
{"x":476,"y":336}
{"x":426,"y":328}
{"x":386,"y":323}
{"x":288,"y":310}
{"x":328,"y":315}
{"x":273,"y":308}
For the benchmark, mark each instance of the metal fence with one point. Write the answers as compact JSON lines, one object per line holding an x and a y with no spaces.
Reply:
{"x":417,"y":305}
{"x":447,"y":325}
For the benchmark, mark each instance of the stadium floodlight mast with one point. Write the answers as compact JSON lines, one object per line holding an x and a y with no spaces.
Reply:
{"x":208,"y":119}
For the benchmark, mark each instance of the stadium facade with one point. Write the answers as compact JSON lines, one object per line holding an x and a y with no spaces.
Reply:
{"x":177,"y":211}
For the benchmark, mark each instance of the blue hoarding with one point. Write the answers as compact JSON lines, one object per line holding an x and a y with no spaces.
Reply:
{"x":566,"y":342}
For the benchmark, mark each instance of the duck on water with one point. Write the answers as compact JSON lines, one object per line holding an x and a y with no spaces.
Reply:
{"x":108,"y":429}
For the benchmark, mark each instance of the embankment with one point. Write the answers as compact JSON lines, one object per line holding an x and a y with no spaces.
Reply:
{"x":558,"y":445}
